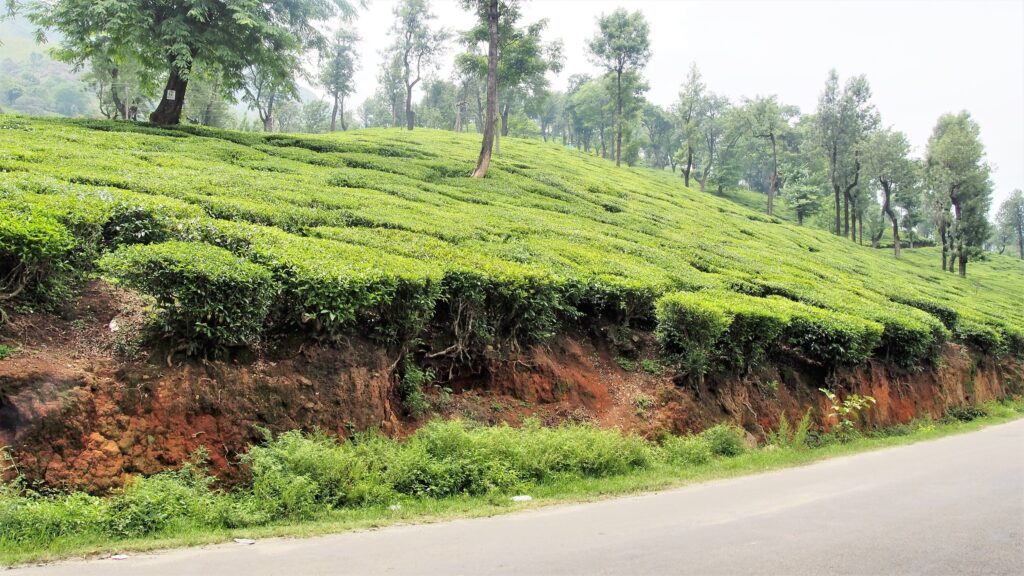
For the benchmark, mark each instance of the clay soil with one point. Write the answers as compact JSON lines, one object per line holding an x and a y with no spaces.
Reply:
{"x":83,"y":405}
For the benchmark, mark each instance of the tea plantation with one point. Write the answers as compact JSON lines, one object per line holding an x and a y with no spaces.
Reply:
{"x":381,"y":233}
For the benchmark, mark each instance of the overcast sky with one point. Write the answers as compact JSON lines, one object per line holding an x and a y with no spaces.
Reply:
{"x":922,"y":58}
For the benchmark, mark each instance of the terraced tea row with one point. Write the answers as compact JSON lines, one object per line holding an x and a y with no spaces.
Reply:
{"x":381,"y":232}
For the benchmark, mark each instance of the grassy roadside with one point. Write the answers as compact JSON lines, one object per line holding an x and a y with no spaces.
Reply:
{"x":559,"y":490}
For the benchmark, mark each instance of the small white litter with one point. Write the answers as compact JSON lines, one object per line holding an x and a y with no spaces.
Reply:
{"x":119,"y":557}
{"x":113,"y":325}
{"x":522,"y":498}
{"x":244,"y":541}
{"x":394,"y":507}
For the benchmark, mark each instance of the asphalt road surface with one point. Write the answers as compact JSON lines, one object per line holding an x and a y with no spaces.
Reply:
{"x":950,"y":506}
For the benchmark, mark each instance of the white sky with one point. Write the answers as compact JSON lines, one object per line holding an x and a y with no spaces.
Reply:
{"x":922,"y":58}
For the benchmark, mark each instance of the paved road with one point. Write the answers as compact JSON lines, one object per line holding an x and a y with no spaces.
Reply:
{"x":951,"y":506}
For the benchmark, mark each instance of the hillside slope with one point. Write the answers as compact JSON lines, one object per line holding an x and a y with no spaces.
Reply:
{"x":375,"y":226}
{"x":361,"y":281}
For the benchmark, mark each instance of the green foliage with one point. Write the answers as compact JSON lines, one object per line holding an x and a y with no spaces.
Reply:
{"x":965,"y":413}
{"x":294,"y":477}
{"x":35,"y":256}
{"x":785,"y":436}
{"x":167,"y":39}
{"x":650,"y":366}
{"x":705,"y":329}
{"x":209,"y":298}
{"x":691,"y":450}
{"x":846,"y":412}
{"x":689,"y":327}
{"x":373,"y":231}
{"x":627,"y":364}
{"x":643,"y":403}
{"x":725,"y":440}
{"x":6,"y":351}
{"x":412,"y":387}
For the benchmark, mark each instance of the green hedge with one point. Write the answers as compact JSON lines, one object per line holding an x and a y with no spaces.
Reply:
{"x":705,"y":330}
{"x":209,"y":299}
{"x":690,"y":325}
{"x":35,"y":256}
{"x":831,"y":338}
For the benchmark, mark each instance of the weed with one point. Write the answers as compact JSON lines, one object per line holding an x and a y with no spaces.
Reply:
{"x":642,"y":403}
{"x":725,"y":440}
{"x":412,"y":386}
{"x":846,"y":412}
{"x":651,"y":366}
{"x":626,"y":364}
{"x":966,"y":413}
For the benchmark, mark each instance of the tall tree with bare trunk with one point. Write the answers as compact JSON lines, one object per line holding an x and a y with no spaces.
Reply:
{"x":416,"y":46}
{"x":959,"y":177}
{"x":622,"y":48}
{"x":888,"y":163}
{"x":489,"y":11}
{"x":844,"y":117}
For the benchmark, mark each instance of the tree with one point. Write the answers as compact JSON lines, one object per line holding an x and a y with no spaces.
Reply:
{"x":489,"y":10}
{"x":1010,"y":220}
{"x":524,"y":59}
{"x":957,"y":173}
{"x":338,"y":75}
{"x":290,"y":117}
{"x":844,"y":117}
{"x":438,"y":107}
{"x":548,"y":109}
{"x":621,"y":47}
{"x":416,"y":46}
{"x":661,"y":136}
{"x":123,"y":88}
{"x":262,"y":89}
{"x":769,"y":122}
{"x":888,"y":163}
{"x":714,"y":129}
{"x":172,"y":36}
{"x":690,"y":110}
{"x":206,"y":103}
{"x":592,"y":110}
{"x":315,"y":114}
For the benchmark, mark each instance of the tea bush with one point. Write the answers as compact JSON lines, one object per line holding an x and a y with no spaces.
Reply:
{"x":35,"y":256}
{"x":208,"y":298}
{"x":379,"y":232}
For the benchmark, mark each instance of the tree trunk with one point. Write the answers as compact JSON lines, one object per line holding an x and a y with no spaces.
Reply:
{"x":958,"y":238}
{"x":689,"y":166}
{"x":837,"y":191}
{"x":344,"y":126}
{"x":773,"y":186}
{"x":618,"y":118}
{"x":172,"y":99}
{"x":497,"y":136}
{"x":860,"y":227}
{"x":492,"y":89}
{"x":504,"y":119}
{"x":943,"y":232}
{"x":120,"y":105}
{"x":410,"y":116}
{"x":1020,"y":241}
{"x":334,"y":114}
{"x":846,"y":214}
{"x":887,"y":209}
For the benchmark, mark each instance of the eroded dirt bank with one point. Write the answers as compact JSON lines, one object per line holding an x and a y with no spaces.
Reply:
{"x":76,"y":416}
